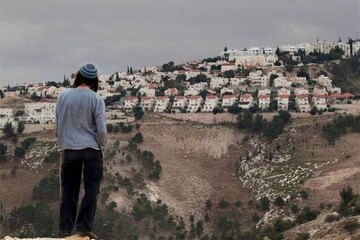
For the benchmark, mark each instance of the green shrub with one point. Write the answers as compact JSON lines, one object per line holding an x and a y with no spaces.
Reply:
{"x":48,"y":188}
{"x":223,"y":203}
{"x":303,"y":236}
{"x":304,"y":194}
{"x":351,"y":225}
{"x":306,"y":215}
{"x":19,"y":152}
{"x":332,"y":218}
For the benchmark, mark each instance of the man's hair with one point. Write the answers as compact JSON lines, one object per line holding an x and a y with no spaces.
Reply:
{"x":92,"y":83}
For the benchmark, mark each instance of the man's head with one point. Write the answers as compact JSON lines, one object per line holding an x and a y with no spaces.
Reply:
{"x":87,"y":75}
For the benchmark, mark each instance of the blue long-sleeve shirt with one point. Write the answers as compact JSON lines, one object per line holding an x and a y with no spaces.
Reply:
{"x":80,"y":120}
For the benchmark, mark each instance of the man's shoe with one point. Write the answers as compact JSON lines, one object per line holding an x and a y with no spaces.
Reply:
{"x":64,"y":233}
{"x":89,"y":234}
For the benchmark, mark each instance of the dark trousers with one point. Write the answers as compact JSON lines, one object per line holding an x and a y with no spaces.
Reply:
{"x":75,"y":162}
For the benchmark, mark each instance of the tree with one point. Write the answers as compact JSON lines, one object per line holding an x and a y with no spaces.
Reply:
{"x":272,"y":78}
{"x":245,"y":119}
{"x":279,"y":202}
{"x":21,"y":127}
{"x":264,"y":203}
{"x":277,"y":52}
{"x":35,"y":97}
{"x":303,"y":73}
{"x":229,"y":74}
{"x":138,"y":112}
{"x":1,"y":94}
{"x":234,"y":109}
{"x":19,"y":152}
{"x":274,"y":128}
{"x":48,"y":188}
{"x":284,"y":116}
{"x":138,"y":138}
{"x":3,"y":149}
{"x":8,"y":130}
{"x":313,"y":111}
{"x":27,"y":143}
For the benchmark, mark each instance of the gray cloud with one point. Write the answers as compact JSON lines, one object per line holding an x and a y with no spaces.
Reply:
{"x":43,"y":40}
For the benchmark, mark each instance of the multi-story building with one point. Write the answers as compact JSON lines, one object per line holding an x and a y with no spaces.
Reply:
{"x":299,"y":81}
{"x":195,"y":103}
{"x":7,"y":116}
{"x":320,"y":90}
{"x":324,"y":81}
{"x":129,"y":102}
{"x":320,"y":102}
{"x":281,"y":82}
{"x":246,"y":101}
{"x":180,"y":102}
{"x":264,"y":101}
{"x":283,"y":102}
{"x":161,"y":103}
{"x":40,"y":112}
{"x":147,"y":103}
{"x":302,"y":103}
{"x":260,"y":82}
{"x":228,"y":100}
{"x":218,"y":82}
{"x":211,"y":102}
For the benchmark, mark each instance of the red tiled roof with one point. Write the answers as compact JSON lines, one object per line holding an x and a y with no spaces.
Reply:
{"x":245,"y":95}
{"x":228,"y":96}
{"x":211,"y":97}
{"x":283,"y":95}
{"x":146,"y":98}
{"x":127,"y":98}
{"x":263,"y":96}
{"x":194,"y":97}
{"x":320,"y":96}
{"x":161,"y":97}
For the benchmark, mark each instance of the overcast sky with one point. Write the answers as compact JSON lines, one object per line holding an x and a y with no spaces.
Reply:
{"x":41,"y":40}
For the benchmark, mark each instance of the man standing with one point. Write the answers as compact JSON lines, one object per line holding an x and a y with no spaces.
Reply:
{"x":81,"y":135}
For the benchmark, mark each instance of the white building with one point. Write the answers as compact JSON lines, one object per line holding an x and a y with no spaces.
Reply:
{"x":264,"y":91}
{"x":324,"y":81}
{"x":218,"y":82}
{"x":299,"y":80}
{"x":260,"y":82}
{"x":228,"y":66}
{"x":191,"y":92}
{"x":228,"y":101}
{"x":226,"y":90}
{"x":283,"y":102}
{"x":320,"y":90}
{"x":264,"y":101}
{"x":237,"y":81}
{"x":6,"y":115}
{"x":246,"y":101}
{"x":211,"y":102}
{"x":129,"y":102}
{"x":302,"y":103}
{"x":146,"y":91}
{"x":195,"y":103}
{"x":301,"y":91}
{"x":251,"y":61}
{"x":320,"y":102}
{"x":284,"y":91}
{"x":161,"y":103}
{"x":281,"y":82}
{"x":147,"y":103}
{"x":180,"y":102}
{"x":40,"y":112}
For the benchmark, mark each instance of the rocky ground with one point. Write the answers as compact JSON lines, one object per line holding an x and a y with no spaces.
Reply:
{"x":205,"y":161}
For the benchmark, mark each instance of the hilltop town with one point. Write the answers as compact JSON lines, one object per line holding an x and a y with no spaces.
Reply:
{"x":262,"y":79}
